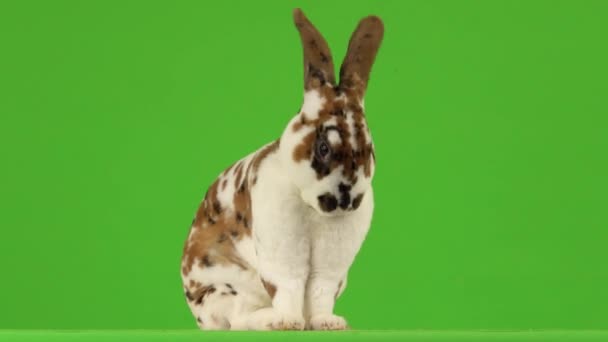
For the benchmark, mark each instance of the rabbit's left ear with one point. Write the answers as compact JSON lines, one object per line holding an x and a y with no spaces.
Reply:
{"x":318,"y":63}
{"x":362,"y":49}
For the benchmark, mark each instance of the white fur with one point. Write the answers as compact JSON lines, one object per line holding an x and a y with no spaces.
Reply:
{"x":350,"y":121}
{"x":312,"y":103}
{"x":333,"y":138}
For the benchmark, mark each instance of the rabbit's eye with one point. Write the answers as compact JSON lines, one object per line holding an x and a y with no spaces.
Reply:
{"x":322,"y":150}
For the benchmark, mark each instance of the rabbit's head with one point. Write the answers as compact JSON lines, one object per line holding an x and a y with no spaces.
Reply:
{"x":327,"y":147}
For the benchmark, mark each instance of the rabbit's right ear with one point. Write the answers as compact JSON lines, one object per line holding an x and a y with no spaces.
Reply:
{"x":318,"y":63}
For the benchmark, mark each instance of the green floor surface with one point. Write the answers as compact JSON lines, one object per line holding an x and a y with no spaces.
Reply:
{"x":194,"y":335}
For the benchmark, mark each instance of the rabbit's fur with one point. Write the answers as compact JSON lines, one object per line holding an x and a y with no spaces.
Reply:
{"x":273,"y":240}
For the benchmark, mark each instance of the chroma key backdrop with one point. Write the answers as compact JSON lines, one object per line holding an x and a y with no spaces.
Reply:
{"x":490,"y":123}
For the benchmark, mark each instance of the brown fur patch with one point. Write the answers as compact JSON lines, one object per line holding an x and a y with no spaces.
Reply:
{"x":194,"y":284}
{"x":270,"y":288}
{"x":198,"y":296}
{"x":304,"y":150}
{"x":301,"y":123}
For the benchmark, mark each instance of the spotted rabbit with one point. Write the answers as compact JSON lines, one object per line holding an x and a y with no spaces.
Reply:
{"x":273,"y":240}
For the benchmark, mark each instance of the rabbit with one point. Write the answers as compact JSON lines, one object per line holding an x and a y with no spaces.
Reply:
{"x":274,"y":238}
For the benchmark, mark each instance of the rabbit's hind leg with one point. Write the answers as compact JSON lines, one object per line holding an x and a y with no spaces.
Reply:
{"x":224,"y":297}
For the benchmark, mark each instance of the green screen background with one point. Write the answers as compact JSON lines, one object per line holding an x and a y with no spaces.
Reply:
{"x":489,"y":119}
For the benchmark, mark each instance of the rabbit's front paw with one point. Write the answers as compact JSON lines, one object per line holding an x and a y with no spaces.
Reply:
{"x":328,"y":322}
{"x":285,"y":323}
{"x":269,"y":319}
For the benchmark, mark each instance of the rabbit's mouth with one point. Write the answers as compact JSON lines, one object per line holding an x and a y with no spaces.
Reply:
{"x":339,"y":213}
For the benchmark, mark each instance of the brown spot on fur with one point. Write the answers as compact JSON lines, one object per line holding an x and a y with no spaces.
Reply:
{"x":223,"y":237}
{"x":217,"y":207}
{"x":206,"y":261}
{"x":239,"y":175}
{"x":296,"y":126}
{"x":367,"y":166}
{"x":337,"y":109}
{"x":198,"y":296}
{"x":242,"y":205}
{"x":231,"y":292}
{"x":270,"y":288}
{"x":338,"y":290}
{"x":304,"y":150}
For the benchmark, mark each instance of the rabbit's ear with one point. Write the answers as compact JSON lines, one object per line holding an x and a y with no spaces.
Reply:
{"x":362,"y":48}
{"x":318,"y":63}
